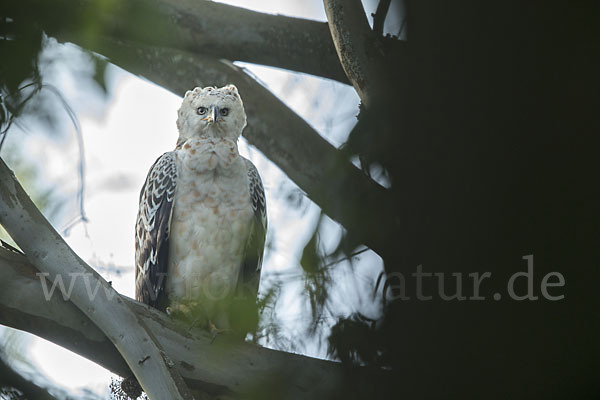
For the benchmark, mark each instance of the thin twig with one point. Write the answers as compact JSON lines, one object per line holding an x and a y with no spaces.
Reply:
{"x":347,"y":258}
{"x":81,"y":169}
{"x":11,"y":113}
{"x":75,"y":121}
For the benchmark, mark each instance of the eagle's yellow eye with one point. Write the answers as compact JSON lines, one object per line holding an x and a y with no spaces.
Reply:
{"x":201,"y":110}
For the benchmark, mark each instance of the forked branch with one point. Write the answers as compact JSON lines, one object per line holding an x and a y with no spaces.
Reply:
{"x":224,"y":369}
{"x":47,"y":250}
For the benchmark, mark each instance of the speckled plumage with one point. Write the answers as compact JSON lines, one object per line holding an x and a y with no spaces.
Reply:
{"x":201,"y":224}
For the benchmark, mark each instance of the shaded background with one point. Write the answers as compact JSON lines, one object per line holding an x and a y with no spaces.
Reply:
{"x":486,"y":140}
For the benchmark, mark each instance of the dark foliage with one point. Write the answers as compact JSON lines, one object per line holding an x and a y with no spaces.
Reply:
{"x":126,"y":389}
{"x":488,"y":134}
{"x":20,"y":78}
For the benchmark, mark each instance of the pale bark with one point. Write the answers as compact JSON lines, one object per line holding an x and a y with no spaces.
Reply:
{"x":47,"y":250}
{"x":226,"y":368}
{"x":355,"y":46}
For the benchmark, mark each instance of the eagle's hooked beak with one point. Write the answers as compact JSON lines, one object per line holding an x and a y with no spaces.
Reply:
{"x":213,"y":116}
{"x":215,"y":113}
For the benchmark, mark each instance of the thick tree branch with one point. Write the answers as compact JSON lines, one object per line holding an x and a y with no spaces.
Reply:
{"x":47,"y":250}
{"x":317,"y":167}
{"x":355,"y":46}
{"x":224,"y":369}
{"x":313,"y":164}
{"x":197,"y":26}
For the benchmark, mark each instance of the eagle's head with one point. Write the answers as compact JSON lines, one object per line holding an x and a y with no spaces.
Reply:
{"x":211,"y":112}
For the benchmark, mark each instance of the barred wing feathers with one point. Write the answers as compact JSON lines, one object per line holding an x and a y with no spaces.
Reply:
{"x":250,"y":272}
{"x":152,"y":231}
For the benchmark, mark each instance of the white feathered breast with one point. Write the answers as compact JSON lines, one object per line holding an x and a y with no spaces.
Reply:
{"x":211,"y":221}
